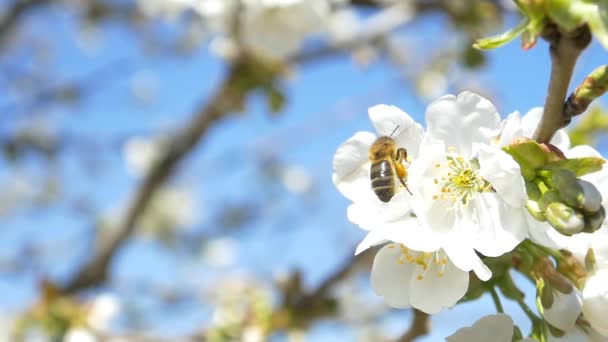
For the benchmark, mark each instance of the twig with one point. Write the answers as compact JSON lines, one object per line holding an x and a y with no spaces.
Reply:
{"x":418,"y":327}
{"x":12,"y":16}
{"x":564,"y":49}
{"x":228,"y":95}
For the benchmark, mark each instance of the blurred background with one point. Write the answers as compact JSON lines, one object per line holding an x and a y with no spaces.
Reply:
{"x":162,"y":180}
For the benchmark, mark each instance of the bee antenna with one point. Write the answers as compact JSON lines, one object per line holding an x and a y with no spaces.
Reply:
{"x":395,"y":130}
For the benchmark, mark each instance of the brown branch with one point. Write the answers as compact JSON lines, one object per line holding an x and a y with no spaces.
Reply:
{"x":222,"y":103}
{"x":565,"y":49}
{"x":418,"y":327}
{"x":14,"y":14}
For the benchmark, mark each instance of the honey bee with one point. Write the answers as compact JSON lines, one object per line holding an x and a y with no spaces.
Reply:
{"x":387,"y":164}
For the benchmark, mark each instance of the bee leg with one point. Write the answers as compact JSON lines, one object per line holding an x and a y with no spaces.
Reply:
{"x":405,"y":185}
{"x":402,"y":175}
{"x":401,"y":155}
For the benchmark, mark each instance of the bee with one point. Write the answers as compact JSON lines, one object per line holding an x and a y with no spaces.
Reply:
{"x":387,"y":164}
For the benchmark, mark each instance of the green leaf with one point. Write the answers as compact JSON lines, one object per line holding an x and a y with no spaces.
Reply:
{"x":530,"y":155}
{"x":580,"y":166}
{"x":501,"y":39}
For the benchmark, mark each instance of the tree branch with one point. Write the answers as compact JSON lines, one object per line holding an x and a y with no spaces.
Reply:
{"x":564,"y":49}
{"x":12,"y":16}
{"x":223,"y":102}
{"x":418,"y":327}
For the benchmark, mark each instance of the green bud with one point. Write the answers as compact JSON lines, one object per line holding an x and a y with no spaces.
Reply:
{"x":546,"y":297}
{"x":533,"y":191}
{"x":534,"y":210}
{"x":594,"y":222}
{"x":565,"y":219}
{"x":592,"y":199}
{"x":570,"y":191}
{"x":548,"y":198}
{"x":590,"y":262}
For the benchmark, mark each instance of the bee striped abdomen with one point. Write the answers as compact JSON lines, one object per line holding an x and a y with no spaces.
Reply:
{"x":383,"y":180}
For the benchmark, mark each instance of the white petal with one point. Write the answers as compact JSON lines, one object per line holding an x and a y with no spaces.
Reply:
{"x":351,"y":167}
{"x":500,"y":227}
{"x":392,"y":121}
{"x":496,"y":328}
{"x":462,"y":121}
{"x":595,"y":302}
{"x":499,"y":168}
{"x":464,"y":257}
{"x":510,"y":129}
{"x":407,"y":231}
{"x":370,"y":212}
{"x":389,"y":120}
{"x":433,"y":294}
{"x":390,"y":279}
{"x":565,"y":309}
{"x":582,"y":151}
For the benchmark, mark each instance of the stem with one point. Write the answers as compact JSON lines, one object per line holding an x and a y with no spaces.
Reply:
{"x":496,"y":300}
{"x":564,"y":49}
{"x":531,"y":315}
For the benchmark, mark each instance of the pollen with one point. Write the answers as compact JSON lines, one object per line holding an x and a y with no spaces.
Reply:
{"x":460,"y":181}
{"x":432,"y":263}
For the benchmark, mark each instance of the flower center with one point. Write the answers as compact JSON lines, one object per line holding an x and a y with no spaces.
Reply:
{"x":424,"y":261}
{"x":460,"y":180}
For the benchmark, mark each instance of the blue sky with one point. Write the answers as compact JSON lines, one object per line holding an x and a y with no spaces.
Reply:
{"x":327,"y":104}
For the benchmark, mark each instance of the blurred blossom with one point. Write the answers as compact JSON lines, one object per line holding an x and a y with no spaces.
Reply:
{"x":141,"y":153}
{"x":144,"y":86}
{"x":343,"y":25}
{"x":253,"y":334}
{"x":90,"y":39}
{"x":275,"y":29}
{"x":79,"y":335}
{"x":297,"y":179}
{"x":432,"y":84}
{"x":224,"y":47}
{"x":104,"y":309}
{"x":168,"y":9}
{"x":221,"y":252}
{"x":171,"y":207}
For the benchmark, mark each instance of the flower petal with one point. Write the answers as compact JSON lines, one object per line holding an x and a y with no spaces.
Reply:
{"x":407,"y":231}
{"x":565,"y":309}
{"x":391,"y":279}
{"x":351,"y":167}
{"x":497,"y":328}
{"x":504,"y":174}
{"x":462,"y":121}
{"x":510,"y":128}
{"x":433,"y":293}
{"x":500,"y":227}
{"x":392,"y":121}
{"x":464,"y":257}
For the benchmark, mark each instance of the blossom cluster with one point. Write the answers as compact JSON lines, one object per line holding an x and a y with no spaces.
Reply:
{"x":271,"y":30}
{"x":466,"y":199}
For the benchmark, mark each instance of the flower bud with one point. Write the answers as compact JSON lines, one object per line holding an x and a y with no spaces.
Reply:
{"x":592,"y":199}
{"x":533,"y":191}
{"x":594,"y":222}
{"x":548,"y":198}
{"x":570,"y":191}
{"x":566,"y":220}
{"x":565,"y":309}
{"x":534,"y":210}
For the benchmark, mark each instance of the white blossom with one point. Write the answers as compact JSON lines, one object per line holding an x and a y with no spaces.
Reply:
{"x":104,"y":309}
{"x":276,"y":29}
{"x":423,"y":280}
{"x":467,"y":192}
{"x":495,"y":328}
{"x":79,"y":335}
{"x":595,"y":301}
